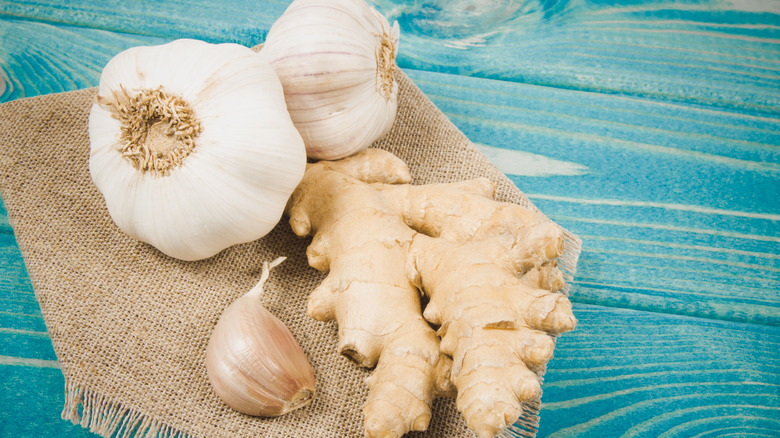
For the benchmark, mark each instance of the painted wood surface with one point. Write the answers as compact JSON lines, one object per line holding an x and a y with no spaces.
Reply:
{"x":650,"y":129}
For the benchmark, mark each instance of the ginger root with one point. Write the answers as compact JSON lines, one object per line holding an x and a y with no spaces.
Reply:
{"x":486,"y":267}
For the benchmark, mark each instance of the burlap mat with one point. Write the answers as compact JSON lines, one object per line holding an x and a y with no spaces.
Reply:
{"x":130,"y":325}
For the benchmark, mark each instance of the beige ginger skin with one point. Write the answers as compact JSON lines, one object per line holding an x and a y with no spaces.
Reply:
{"x":486,"y":267}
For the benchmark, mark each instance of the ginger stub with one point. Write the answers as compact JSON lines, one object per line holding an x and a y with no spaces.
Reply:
{"x":486,"y":267}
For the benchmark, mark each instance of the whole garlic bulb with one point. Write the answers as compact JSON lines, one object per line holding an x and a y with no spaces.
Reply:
{"x":192,"y":146}
{"x":336,"y":61}
{"x":253,"y":361}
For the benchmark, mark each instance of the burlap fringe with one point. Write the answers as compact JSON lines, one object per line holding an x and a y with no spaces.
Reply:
{"x":567,"y":262}
{"x":109,"y":418}
{"x":527,"y":425}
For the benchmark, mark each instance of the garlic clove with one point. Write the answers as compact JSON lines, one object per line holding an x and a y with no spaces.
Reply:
{"x":253,"y":361}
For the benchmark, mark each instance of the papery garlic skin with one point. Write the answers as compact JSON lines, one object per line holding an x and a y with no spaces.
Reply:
{"x":336,"y":61}
{"x":246,"y":160}
{"x":254,"y":363}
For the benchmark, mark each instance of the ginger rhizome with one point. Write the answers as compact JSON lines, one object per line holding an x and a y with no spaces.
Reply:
{"x":487,"y":269}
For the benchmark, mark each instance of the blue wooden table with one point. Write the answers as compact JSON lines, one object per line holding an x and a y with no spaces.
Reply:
{"x":649,"y":129}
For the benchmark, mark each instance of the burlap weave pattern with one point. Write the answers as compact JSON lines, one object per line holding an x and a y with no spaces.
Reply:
{"x":130,"y":325}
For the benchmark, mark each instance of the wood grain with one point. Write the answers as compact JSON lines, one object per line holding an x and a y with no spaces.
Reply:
{"x":635,"y":373}
{"x":704,"y":52}
{"x":649,"y":129}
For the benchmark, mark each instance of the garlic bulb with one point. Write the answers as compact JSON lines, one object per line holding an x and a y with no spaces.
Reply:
{"x":192,"y":146}
{"x":336,"y":61}
{"x":254,"y":363}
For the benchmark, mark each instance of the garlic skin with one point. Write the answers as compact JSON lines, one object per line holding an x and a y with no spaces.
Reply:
{"x":254,"y":363}
{"x":336,"y":61}
{"x":192,"y":147}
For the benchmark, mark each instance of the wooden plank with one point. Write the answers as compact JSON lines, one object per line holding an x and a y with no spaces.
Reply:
{"x":32,"y":397}
{"x":40,"y":58}
{"x":22,"y":330}
{"x":618,"y":141}
{"x":26,"y":344}
{"x":10,"y":320}
{"x":242,"y":21}
{"x":625,"y":373}
{"x":705,"y":52}
{"x":14,"y":282}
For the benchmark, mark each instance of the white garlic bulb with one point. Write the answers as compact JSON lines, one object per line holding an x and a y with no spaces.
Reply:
{"x":336,"y":61}
{"x":192,"y":146}
{"x":254,"y":363}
